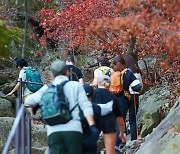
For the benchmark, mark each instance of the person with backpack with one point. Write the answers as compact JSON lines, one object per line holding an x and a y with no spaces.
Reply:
{"x":22,"y":65}
{"x":110,"y":114}
{"x":103,"y":70}
{"x":89,"y":142}
{"x":75,"y":73}
{"x":126,"y":79}
{"x":65,"y":137}
{"x":131,"y":65}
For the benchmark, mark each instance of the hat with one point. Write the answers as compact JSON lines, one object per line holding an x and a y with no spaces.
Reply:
{"x":20,"y":62}
{"x":104,"y":78}
{"x":88,"y":89}
{"x":57,"y":66}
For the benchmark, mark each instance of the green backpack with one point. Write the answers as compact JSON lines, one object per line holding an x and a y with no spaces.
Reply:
{"x":33,"y":78}
{"x":54,"y":106}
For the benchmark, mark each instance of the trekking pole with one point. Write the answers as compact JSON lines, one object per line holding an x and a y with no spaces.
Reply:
{"x":71,"y":76}
{"x":135,"y":108}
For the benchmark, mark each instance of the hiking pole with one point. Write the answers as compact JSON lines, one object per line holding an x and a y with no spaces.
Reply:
{"x":71,"y":77}
{"x":135,"y":109}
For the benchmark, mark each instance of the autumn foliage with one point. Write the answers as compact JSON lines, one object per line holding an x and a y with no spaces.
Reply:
{"x":105,"y":24}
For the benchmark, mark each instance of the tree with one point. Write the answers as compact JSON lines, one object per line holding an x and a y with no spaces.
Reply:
{"x":148,"y":26}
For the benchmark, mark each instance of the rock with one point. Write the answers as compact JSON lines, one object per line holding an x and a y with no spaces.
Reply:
{"x":5,"y":127}
{"x":148,"y":116}
{"x":165,"y":138}
{"x":6,"y":108}
{"x":39,"y":136}
{"x":8,"y":87}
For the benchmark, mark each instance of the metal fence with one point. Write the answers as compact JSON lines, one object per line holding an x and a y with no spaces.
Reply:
{"x":21,"y":129}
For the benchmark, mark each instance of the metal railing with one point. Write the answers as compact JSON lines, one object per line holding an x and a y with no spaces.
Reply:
{"x":18,"y":131}
{"x":21,"y":129}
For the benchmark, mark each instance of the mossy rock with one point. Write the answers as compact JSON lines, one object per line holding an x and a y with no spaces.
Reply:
{"x":5,"y":127}
{"x":6,"y":108}
{"x":10,"y":39}
{"x":8,"y":87}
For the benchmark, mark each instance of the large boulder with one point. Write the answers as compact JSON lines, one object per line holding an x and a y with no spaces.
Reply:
{"x":6,"y":108}
{"x":151,"y":102}
{"x":5,"y":127}
{"x":39,"y":137}
{"x":38,"y":132}
{"x":165,"y":138}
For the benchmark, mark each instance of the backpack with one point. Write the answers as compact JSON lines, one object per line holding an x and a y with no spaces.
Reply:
{"x":72,"y":76}
{"x":54,"y":106}
{"x":105,"y":71}
{"x":32,"y":75}
{"x":116,"y":86}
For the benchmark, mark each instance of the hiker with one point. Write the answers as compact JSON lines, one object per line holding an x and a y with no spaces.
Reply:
{"x":67,"y":138}
{"x":129,"y":80}
{"x":21,"y":64}
{"x":110,"y":113}
{"x":103,"y":69}
{"x":89,"y":142}
{"x":75,"y":73}
{"x":131,"y":65}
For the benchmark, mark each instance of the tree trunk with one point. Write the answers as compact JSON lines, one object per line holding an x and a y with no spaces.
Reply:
{"x":25,"y":28}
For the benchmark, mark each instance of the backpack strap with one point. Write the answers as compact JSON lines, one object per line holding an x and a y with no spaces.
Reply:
{"x":61,"y":93}
{"x":122,"y":72}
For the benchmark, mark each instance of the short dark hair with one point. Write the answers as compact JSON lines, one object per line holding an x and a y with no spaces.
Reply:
{"x":21,"y":62}
{"x":104,"y":61}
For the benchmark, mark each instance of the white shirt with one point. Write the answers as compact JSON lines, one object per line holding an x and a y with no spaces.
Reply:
{"x":22,"y":74}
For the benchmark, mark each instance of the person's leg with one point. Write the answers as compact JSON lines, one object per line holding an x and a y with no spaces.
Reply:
{"x":132,"y":118}
{"x":56,"y":144}
{"x":109,"y":141}
{"x":123,"y":105}
{"x":73,"y":142}
{"x":89,"y":143}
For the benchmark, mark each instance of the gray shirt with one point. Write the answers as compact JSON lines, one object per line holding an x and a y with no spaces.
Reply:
{"x":75,"y":93}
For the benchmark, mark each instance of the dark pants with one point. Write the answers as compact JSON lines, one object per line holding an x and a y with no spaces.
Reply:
{"x":126,"y":105}
{"x":89,"y":143}
{"x":65,"y":142}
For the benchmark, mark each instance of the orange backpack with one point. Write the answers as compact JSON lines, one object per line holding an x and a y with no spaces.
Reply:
{"x":116,"y":86}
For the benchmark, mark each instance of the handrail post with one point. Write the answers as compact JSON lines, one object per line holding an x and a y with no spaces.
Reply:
{"x":28,"y":132}
{"x":21,"y":90}
{"x":22,"y":134}
{"x":17,"y":130}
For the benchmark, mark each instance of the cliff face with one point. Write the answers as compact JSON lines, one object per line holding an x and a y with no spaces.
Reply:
{"x":165,"y":138}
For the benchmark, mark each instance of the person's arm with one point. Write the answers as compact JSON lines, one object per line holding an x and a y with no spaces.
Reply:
{"x":95,"y":82}
{"x":121,"y":126}
{"x":33,"y":99}
{"x":14,"y":89}
{"x":90,"y":120}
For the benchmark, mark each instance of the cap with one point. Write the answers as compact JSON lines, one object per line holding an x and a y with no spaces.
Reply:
{"x":57,"y":66}
{"x":88,"y":89}
{"x":104,"y":78}
{"x":20,"y":62}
